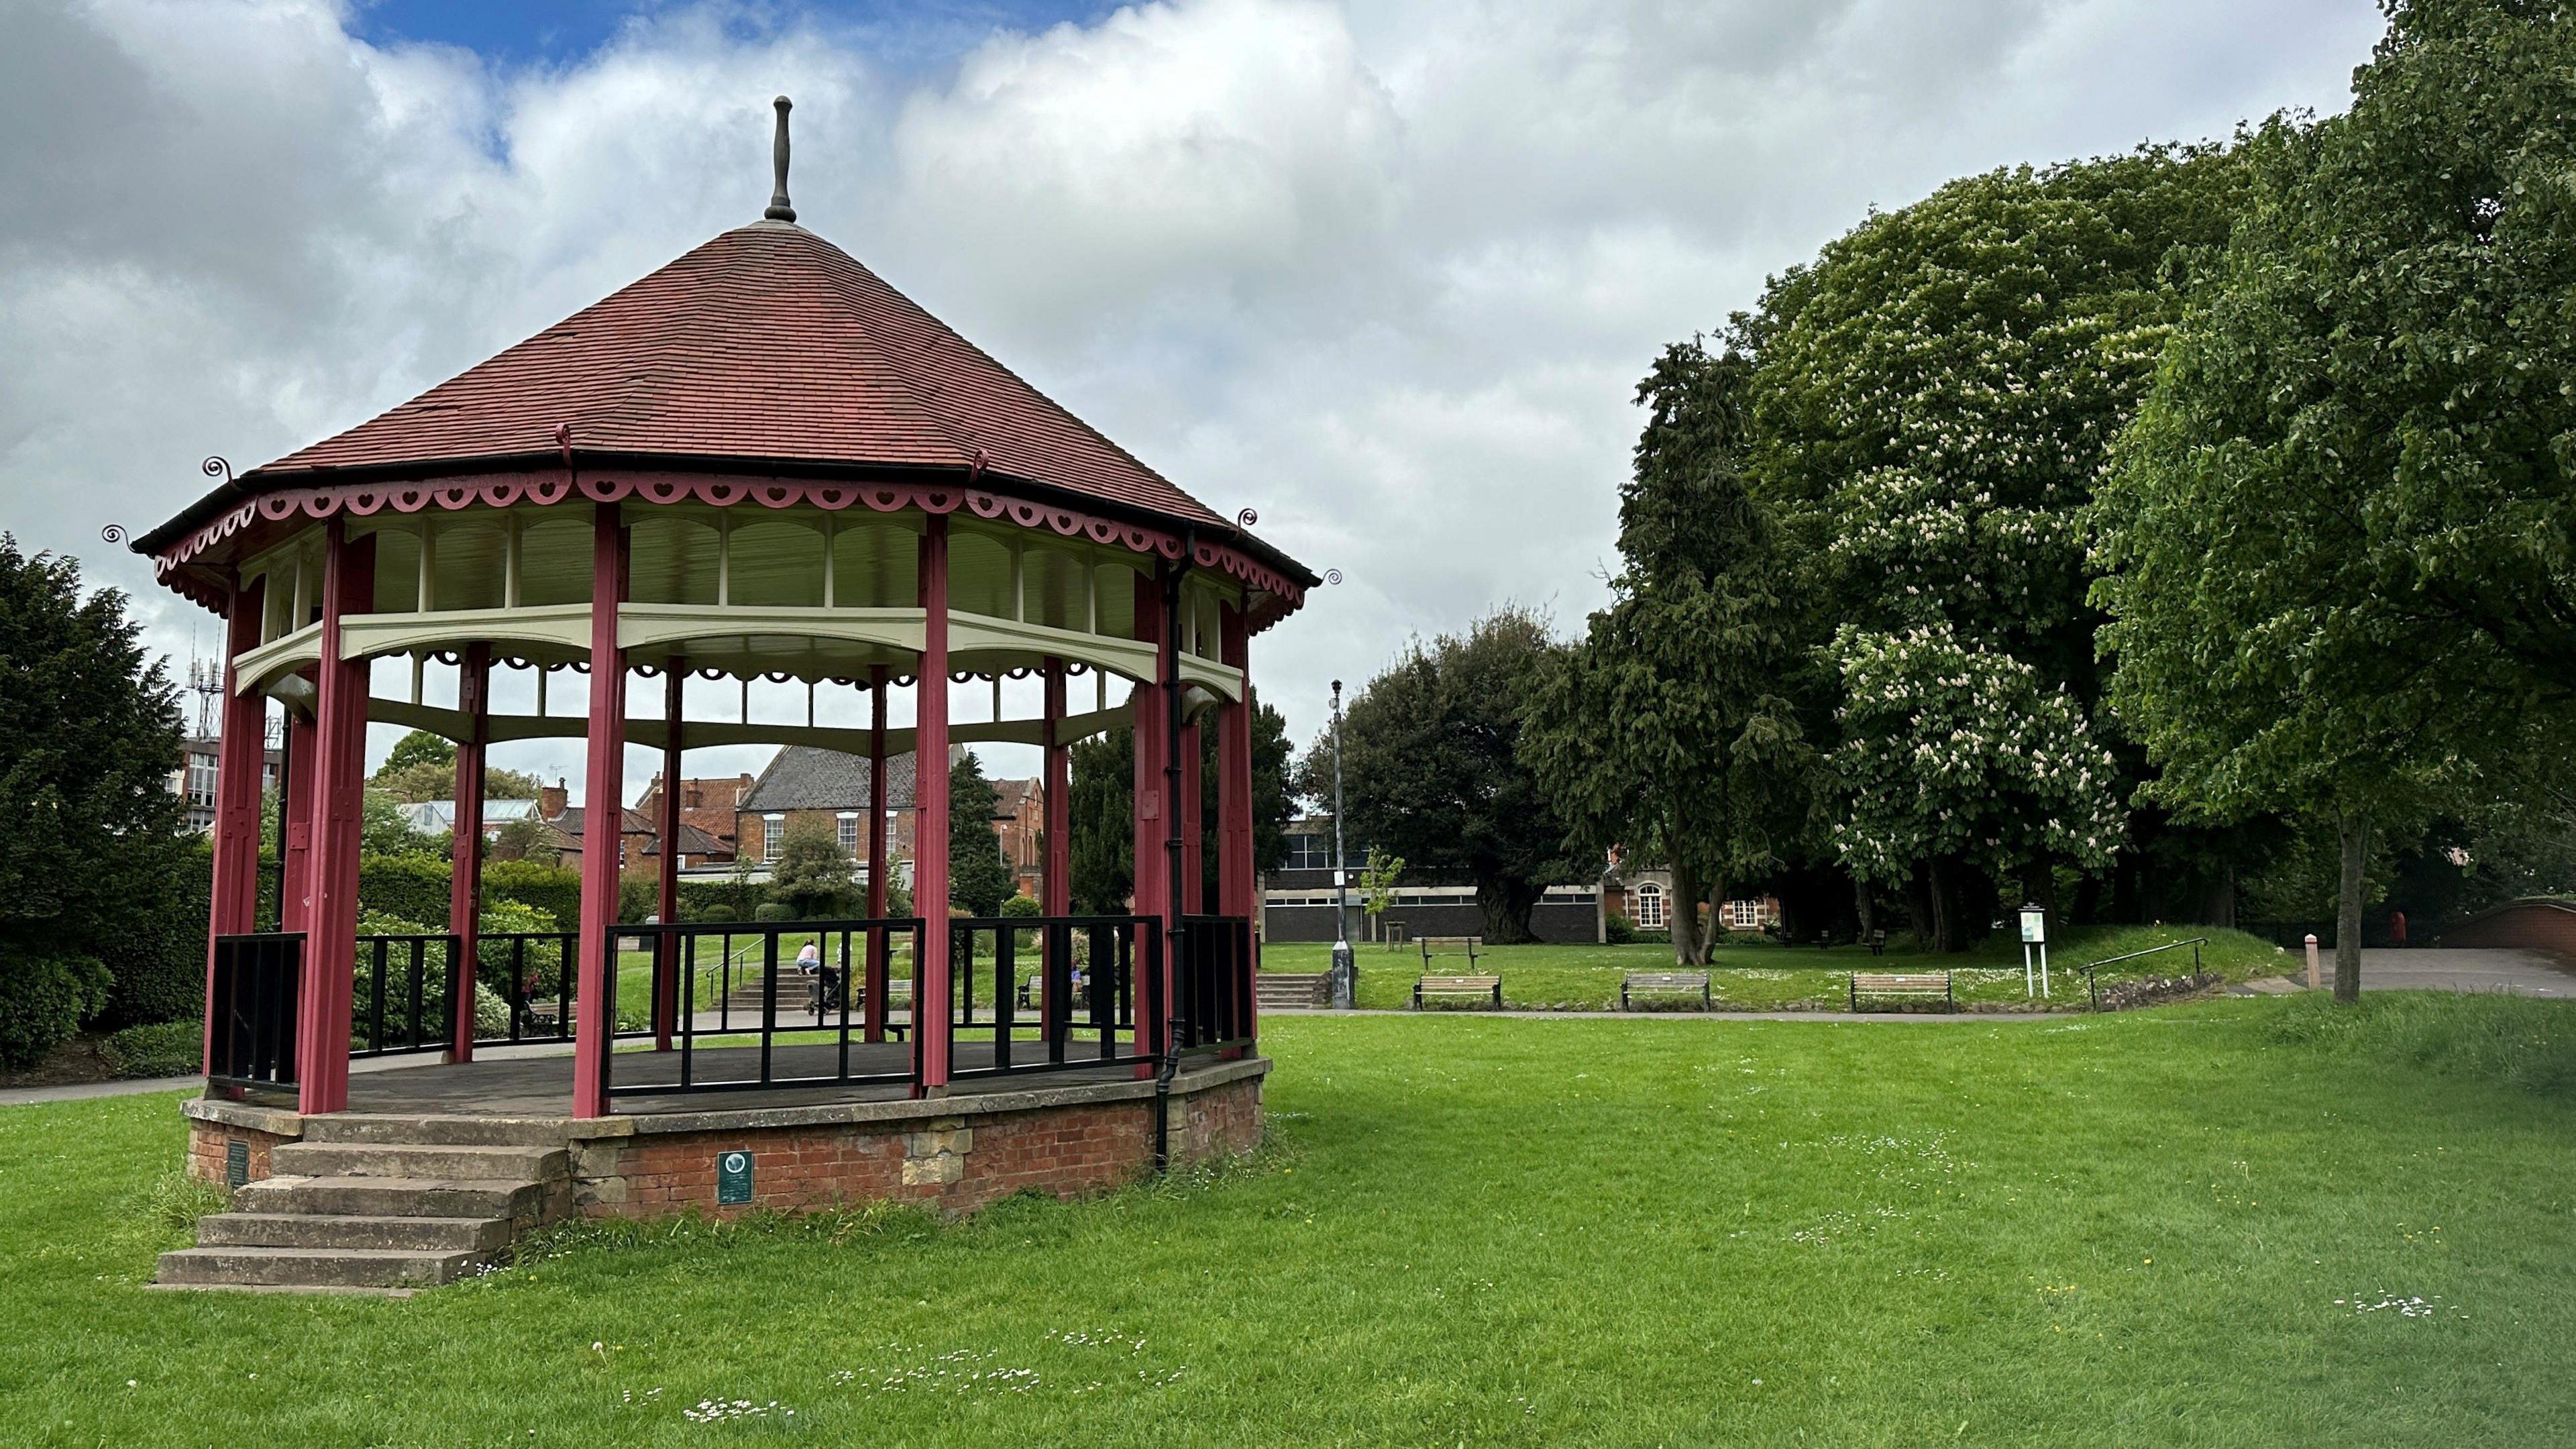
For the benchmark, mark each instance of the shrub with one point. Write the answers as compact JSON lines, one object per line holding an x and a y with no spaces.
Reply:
{"x":44,"y":997}
{"x":711,"y":911}
{"x":1617,"y":930}
{"x":773,"y":911}
{"x":1018,"y":907}
{"x":410,"y":887}
{"x":548,"y":888}
{"x":164,"y":1049}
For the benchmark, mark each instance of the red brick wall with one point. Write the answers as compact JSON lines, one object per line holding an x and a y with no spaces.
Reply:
{"x":952,"y":1164}
{"x":2526,"y":925}
{"x":207,"y":1147}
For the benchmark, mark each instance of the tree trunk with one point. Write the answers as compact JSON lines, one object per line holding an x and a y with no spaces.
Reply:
{"x":1865,"y":907}
{"x":1918,"y":905}
{"x":1945,"y":903}
{"x":1506,"y":904}
{"x":1716,"y":921}
{"x":2353,"y":827}
{"x":1681,"y":915}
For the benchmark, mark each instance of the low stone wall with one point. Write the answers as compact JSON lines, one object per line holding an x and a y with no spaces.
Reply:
{"x":953,"y":1155}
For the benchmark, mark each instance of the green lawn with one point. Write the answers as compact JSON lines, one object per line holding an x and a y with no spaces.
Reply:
{"x":1752,"y":973}
{"x":2152,"y":1228}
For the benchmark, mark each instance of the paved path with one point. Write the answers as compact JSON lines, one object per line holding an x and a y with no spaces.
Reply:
{"x":2521,"y":973}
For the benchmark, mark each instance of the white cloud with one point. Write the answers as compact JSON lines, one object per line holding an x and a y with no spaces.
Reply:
{"x":1386,"y":273}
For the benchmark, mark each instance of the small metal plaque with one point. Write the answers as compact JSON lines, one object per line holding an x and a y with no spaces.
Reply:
{"x":733,"y":1178}
{"x":236,"y":1162}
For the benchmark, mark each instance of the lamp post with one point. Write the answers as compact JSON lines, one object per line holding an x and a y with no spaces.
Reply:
{"x":1345,"y":970}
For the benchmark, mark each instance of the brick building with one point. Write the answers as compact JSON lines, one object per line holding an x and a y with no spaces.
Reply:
{"x":1019,"y":818}
{"x":803,"y":783}
{"x":713,"y":806}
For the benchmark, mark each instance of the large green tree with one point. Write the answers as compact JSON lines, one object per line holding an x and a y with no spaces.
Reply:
{"x":422,"y":766}
{"x":1432,"y":769}
{"x":1665,"y":731}
{"x":979,"y":880}
{"x":2340,"y":529}
{"x":92,"y":847}
{"x":1931,"y":404}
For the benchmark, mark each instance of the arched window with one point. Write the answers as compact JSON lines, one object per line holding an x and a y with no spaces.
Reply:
{"x":1650,"y":906}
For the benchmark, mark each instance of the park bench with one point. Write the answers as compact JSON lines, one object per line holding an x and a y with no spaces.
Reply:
{"x":1450,"y":946}
{"x":1489,"y":987}
{"x":1878,"y":942}
{"x":1665,"y":981}
{"x":1902,"y":986}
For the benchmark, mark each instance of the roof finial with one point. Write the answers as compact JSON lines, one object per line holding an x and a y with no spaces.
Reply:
{"x":779,"y":210}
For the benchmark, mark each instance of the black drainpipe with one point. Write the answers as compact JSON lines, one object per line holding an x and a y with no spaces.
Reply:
{"x":1175,"y":906}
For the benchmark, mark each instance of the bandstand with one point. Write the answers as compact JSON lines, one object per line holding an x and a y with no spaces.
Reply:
{"x":760,"y":462}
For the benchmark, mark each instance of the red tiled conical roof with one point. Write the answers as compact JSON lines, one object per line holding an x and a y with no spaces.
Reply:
{"x":767,"y":344}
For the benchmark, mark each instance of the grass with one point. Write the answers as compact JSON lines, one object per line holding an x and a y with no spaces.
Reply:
{"x":2211,"y":1224}
{"x":1754,"y":974}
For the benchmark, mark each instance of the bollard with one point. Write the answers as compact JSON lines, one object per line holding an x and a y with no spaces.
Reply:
{"x":2316,"y":980}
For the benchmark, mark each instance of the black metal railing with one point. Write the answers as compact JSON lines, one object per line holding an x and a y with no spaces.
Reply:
{"x":1213,"y":981}
{"x":1051,"y":993}
{"x":803,"y":1020}
{"x":2093,"y":983}
{"x":537,"y":976}
{"x":256,"y":979}
{"x":404,"y":994}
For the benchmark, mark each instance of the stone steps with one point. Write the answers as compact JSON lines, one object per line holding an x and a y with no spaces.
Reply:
{"x":382,"y":1204}
{"x":472,"y":1163}
{"x":1293,"y":990}
{"x":313,"y":1267}
{"x":353,"y":1230}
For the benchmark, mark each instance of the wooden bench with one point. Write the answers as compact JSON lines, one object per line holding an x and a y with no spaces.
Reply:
{"x":1902,"y":986}
{"x":1489,"y":987}
{"x":1878,"y":942}
{"x":1449,"y":945}
{"x":1641,"y":981}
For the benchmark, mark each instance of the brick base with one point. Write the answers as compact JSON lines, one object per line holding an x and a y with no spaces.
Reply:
{"x":952,"y":1164}
{"x":210,"y":1150}
{"x":953,"y":1155}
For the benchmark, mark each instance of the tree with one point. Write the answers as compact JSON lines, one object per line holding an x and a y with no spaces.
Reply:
{"x":1102,"y":808}
{"x":1931,"y":402}
{"x":91,"y":835}
{"x":1432,"y":769}
{"x":1377,"y":882}
{"x":2338,"y":530}
{"x":423,"y":767}
{"x":813,"y":873}
{"x":978,"y":878}
{"x":1663,"y":732}
{"x":384,"y":830}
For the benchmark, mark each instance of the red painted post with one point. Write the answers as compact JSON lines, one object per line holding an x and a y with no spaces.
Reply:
{"x":666,"y":947}
{"x":239,"y":767}
{"x":603,"y":788}
{"x":1055,"y":879}
{"x":303,"y":750}
{"x":1152,"y":863}
{"x":465,"y":849}
{"x":930,"y":988}
{"x":339,"y":785}
{"x":880,"y":950}
{"x":1237,"y":885}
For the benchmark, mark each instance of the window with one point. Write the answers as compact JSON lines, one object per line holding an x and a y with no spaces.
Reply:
{"x":849,"y":832}
{"x":773,"y":829}
{"x":201,"y":779}
{"x":1650,"y":907}
{"x":1310,"y":852}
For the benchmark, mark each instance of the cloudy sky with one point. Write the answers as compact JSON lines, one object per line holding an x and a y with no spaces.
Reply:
{"x":1385,"y":272}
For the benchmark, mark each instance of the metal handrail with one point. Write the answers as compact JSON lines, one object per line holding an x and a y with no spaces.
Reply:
{"x":2095,"y":987}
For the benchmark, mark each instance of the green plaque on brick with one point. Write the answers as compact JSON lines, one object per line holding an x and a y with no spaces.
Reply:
{"x":733,"y":1178}
{"x":236,"y":1162}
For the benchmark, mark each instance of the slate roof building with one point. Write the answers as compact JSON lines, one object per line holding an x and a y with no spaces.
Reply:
{"x":808,"y":786}
{"x":759,"y":462}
